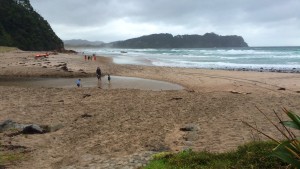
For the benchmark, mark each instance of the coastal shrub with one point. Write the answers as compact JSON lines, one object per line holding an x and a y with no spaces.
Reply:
{"x":287,"y":150}
{"x":251,"y":155}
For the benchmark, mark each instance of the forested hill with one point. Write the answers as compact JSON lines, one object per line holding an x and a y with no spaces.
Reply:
{"x":208,"y":40}
{"x":22,"y":27}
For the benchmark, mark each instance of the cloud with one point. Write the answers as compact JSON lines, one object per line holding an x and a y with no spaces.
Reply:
{"x":259,"y":22}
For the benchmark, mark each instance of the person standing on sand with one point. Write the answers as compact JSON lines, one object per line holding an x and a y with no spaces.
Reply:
{"x":78,"y":83}
{"x":108,"y":78}
{"x":98,"y":73}
{"x":85,"y":57}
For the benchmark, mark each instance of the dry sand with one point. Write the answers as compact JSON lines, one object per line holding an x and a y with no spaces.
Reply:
{"x":121,"y":122}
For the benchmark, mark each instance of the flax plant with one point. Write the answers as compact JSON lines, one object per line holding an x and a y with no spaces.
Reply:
{"x":289,"y":149}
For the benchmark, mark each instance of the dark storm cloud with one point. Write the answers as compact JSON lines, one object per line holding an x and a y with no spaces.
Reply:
{"x":117,"y":19}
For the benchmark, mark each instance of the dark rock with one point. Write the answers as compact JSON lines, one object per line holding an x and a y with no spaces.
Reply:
{"x":23,"y":128}
{"x":9,"y":124}
{"x":189,"y":127}
{"x":281,"y":88}
{"x":33,"y":129}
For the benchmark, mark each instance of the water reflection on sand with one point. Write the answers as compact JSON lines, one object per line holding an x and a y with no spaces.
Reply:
{"x":117,"y":82}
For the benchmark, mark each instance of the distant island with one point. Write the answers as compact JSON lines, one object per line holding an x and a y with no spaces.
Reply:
{"x":82,"y":43}
{"x":166,"y":40}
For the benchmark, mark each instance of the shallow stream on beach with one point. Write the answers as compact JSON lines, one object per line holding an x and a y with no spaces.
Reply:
{"x":117,"y":82}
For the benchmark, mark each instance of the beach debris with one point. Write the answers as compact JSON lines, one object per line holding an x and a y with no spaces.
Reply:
{"x":41,"y":55}
{"x":236,"y":92}
{"x":64,"y":67}
{"x":189,"y":127}
{"x":82,"y":71}
{"x":190,"y":90}
{"x":86,"y":115}
{"x":281,"y":88}
{"x":297,"y":91}
{"x":176,"y":98}
{"x":61,"y":101}
{"x":86,"y":95}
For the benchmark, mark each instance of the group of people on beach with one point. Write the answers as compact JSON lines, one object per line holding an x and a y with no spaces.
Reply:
{"x":98,"y":74}
{"x":90,"y":57}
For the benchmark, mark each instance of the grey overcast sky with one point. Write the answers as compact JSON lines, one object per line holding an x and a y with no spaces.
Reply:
{"x":259,"y":22}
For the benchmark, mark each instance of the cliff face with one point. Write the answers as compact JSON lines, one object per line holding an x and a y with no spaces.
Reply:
{"x":22,"y":27}
{"x":208,"y":40}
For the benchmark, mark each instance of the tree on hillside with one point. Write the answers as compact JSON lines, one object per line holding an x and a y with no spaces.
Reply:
{"x":24,"y":28}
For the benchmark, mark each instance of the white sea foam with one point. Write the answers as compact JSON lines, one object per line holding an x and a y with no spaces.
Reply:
{"x":249,"y":58}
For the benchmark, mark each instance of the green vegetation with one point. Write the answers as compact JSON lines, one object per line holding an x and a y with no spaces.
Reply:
{"x":6,"y":49}
{"x":22,"y":27}
{"x":289,"y":149}
{"x":165,"y":40}
{"x":249,"y":156}
{"x":9,"y":156}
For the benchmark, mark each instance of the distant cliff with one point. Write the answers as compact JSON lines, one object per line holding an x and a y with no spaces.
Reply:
{"x":22,"y":27}
{"x":208,"y":40}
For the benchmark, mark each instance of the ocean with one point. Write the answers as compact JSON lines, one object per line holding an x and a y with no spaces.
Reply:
{"x":282,"y":59}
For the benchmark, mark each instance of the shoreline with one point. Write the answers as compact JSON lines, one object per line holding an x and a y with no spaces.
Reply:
{"x":33,"y":70}
{"x":23,"y":64}
{"x":268,"y":61}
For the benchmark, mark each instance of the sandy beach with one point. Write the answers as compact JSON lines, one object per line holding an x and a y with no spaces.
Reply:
{"x":103,"y":126}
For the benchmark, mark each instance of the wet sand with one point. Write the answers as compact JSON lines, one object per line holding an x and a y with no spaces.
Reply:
{"x":104,"y":124}
{"x":116,"y":82}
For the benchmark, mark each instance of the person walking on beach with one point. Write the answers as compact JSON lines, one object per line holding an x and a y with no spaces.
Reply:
{"x":85,"y":57}
{"x":98,"y":73}
{"x":78,"y":83}
{"x":108,"y":78}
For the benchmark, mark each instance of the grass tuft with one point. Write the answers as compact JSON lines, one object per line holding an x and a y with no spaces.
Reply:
{"x":4,"y":49}
{"x":251,"y":155}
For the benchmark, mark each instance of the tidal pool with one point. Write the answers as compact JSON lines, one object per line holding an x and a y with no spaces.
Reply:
{"x":117,"y":82}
